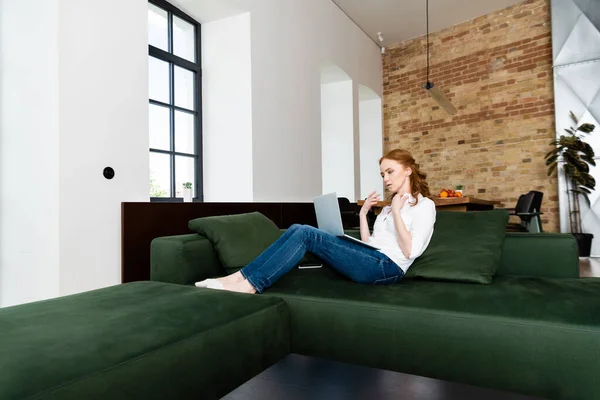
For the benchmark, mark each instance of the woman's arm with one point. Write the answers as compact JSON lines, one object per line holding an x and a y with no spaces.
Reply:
{"x":412,"y":243}
{"x":365,"y":233}
{"x":404,"y":236}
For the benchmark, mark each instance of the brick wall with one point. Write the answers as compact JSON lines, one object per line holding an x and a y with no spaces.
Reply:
{"x":497,"y":71}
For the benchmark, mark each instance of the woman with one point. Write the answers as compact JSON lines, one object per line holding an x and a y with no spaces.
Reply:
{"x":402,"y":232}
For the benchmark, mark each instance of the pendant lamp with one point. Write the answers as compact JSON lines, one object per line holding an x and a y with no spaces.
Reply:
{"x":434,"y":91}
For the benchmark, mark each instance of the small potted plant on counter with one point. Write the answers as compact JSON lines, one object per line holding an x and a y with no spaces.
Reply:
{"x":187,"y":192}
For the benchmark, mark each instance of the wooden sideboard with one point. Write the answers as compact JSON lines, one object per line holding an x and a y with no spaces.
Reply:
{"x":464,"y":204}
{"x":451,"y":204}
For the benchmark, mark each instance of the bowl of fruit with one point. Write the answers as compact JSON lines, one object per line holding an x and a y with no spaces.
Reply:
{"x":446,"y":193}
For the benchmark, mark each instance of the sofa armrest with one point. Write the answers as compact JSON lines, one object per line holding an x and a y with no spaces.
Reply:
{"x":183,"y":259}
{"x":548,"y":255}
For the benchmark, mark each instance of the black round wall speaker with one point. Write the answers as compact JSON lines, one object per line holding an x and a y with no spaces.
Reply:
{"x":108,"y":173}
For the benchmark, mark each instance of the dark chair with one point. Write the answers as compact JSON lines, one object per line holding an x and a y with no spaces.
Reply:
{"x":528,"y":210}
{"x":349,"y":211}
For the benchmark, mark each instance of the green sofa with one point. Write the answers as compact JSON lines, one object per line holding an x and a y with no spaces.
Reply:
{"x":535,"y":329}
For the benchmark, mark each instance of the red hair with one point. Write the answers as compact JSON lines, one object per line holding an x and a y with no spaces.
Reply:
{"x":418,"y":183}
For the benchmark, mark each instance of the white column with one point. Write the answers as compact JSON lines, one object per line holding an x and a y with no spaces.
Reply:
{"x":29,"y":151}
{"x":337,"y":138}
{"x":371,"y":141}
{"x":103,"y":102}
{"x":227,"y":109}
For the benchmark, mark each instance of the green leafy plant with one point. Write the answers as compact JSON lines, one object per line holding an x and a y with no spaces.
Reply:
{"x":187,"y":185}
{"x":155,"y":189}
{"x":576,"y":156}
{"x":459,"y":187}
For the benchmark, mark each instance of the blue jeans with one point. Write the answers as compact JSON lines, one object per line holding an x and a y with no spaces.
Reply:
{"x":359,"y":263}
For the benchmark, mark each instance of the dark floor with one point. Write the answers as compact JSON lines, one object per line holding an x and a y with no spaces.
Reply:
{"x":589,"y":267}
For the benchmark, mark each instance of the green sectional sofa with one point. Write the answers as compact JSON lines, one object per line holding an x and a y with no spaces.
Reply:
{"x":535,"y":329}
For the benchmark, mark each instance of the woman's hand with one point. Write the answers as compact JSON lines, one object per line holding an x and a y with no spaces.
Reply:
{"x":398,"y":202}
{"x":370,"y":201}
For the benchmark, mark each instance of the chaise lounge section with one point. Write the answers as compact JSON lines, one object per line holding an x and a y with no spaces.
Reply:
{"x":143,"y":340}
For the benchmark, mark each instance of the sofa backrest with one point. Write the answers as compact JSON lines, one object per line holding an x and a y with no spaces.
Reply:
{"x":185,"y":259}
{"x":549,"y":255}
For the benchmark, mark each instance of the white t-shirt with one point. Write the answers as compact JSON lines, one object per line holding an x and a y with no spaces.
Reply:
{"x":419,"y":221}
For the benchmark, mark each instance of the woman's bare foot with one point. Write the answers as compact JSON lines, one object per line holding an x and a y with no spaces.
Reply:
{"x":242,"y":286}
{"x":233,"y":283}
{"x":235,"y":277}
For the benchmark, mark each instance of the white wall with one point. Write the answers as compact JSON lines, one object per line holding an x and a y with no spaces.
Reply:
{"x":290,"y":41}
{"x":227,"y":109}
{"x":103,"y":85}
{"x":74,"y":100}
{"x":371,"y":141}
{"x":337,"y":138}
{"x":29,"y":192}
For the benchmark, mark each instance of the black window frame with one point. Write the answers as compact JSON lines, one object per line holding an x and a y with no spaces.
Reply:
{"x":195,"y":67}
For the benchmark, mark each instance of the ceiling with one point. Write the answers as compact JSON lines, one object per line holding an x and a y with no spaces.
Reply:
{"x":399,"y":20}
{"x":211,"y":10}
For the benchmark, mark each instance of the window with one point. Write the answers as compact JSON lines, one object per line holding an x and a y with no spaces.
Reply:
{"x":174,"y":83}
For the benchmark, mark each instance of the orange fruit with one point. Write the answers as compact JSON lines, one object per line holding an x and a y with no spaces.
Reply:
{"x":443,"y":193}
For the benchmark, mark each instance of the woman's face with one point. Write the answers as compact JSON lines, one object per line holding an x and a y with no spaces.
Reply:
{"x":395,"y":176}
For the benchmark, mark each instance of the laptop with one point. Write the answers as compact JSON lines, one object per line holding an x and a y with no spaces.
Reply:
{"x":329,"y":218}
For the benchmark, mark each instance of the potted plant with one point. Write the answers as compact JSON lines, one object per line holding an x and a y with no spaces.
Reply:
{"x":187,"y":192}
{"x":576,"y":156}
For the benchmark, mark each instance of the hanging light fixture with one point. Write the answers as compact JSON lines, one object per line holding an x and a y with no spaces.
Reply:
{"x":435,"y":92}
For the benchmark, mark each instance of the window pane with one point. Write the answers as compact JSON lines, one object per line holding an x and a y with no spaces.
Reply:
{"x":184,"y":41}
{"x":158,"y":79}
{"x":160,"y":175}
{"x":184,"y":172}
{"x":160,"y":131}
{"x":184,"y":132}
{"x":184,"y":88}
{"x":158,"y":26}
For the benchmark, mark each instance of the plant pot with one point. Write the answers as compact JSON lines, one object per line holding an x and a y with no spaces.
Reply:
{"x":584,"y":243}
{"x":187,"y":195}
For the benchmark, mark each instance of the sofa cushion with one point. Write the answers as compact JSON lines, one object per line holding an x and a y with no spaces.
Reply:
{"x":447,"y":257}
{"x":145,"y":340}
{"x":239,"y":238}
